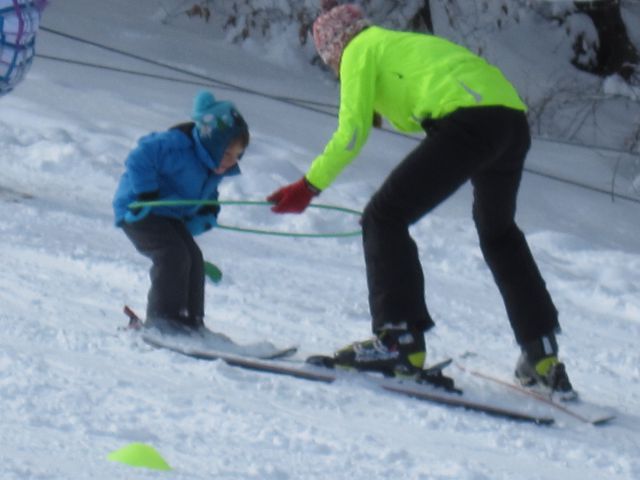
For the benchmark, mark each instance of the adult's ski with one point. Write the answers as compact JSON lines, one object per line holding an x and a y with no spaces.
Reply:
{"x":576,"y":409}
{"x":432,"y":386}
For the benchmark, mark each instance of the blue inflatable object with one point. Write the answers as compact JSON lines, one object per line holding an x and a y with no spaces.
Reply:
{"x":19,"y":22}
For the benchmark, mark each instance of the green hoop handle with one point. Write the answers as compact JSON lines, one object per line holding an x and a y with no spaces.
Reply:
{"x":184,"y":203}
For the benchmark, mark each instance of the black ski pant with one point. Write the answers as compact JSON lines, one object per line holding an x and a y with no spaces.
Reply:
{"x":177,"y":273}
{"x":486,"y":145}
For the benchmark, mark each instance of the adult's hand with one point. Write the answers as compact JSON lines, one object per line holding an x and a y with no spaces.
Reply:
{"x":293,"y":198}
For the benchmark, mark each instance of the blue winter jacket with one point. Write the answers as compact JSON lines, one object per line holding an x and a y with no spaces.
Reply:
{"x":175,"y":165}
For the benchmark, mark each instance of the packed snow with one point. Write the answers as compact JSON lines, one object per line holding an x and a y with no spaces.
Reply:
{"x":74,"y":388}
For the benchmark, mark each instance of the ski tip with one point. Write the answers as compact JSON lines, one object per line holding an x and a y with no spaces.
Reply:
{"x":135,"y":322}
{"x":604,"y":420}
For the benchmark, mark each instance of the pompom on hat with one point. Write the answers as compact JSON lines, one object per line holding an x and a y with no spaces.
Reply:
{"x":335,"y":28}
{"x":218,"y":124}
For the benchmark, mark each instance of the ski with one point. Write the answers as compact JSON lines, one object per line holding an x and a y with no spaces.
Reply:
{"x":274,"y":364}
{"x":571,"y":408}
{"x":431,"y":386}
{"x":204,"y":353}
{"x":407,"y":388}
{"x":204,"y":344}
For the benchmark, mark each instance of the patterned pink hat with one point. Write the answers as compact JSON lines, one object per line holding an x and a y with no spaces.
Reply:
{"x":334,"y":29}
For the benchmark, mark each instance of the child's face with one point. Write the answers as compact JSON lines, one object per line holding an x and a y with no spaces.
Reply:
{"x":230,"y":157}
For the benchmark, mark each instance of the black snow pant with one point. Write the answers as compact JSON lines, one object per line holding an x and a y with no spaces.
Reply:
{"x":177,"y":273}
{"x":487,"y":145}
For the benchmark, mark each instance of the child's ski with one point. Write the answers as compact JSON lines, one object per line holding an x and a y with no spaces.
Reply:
{"x":204,"y":343}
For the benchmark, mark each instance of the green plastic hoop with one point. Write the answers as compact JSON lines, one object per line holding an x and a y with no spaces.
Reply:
{"x":186,"y":203}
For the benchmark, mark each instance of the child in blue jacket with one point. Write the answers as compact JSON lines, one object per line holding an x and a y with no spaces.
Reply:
{"x":187,"y":162}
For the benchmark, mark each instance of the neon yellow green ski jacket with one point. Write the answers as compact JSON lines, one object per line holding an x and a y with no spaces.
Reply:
{"x":407,"y":78}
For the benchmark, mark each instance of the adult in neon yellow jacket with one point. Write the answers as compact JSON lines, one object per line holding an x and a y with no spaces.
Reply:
{"x":476,"y":130}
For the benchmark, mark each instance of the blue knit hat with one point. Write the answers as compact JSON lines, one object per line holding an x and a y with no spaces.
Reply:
{"x":218,"y":124}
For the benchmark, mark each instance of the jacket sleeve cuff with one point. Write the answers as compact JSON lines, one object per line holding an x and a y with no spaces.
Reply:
{"x":315,"y":190}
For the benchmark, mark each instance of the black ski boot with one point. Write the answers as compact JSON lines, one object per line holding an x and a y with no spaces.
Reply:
{"x":182,"y":324}
{"x":393,"y":352}
{"x":539,"y":368}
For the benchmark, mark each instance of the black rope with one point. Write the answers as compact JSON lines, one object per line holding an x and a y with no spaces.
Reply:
{"x":574,"y":183}
{"x":296,"y":102}
{"x":128,"y":71}
{"x":302,"y":103}
{"x":210,"y":83}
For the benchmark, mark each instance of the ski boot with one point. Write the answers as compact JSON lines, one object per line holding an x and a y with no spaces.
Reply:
{"x":394,"y":351}
{"x":182,"y":324}
{"x":538,"y":368}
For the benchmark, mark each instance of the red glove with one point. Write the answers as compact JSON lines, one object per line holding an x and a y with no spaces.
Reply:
{"x":293,"y":198}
